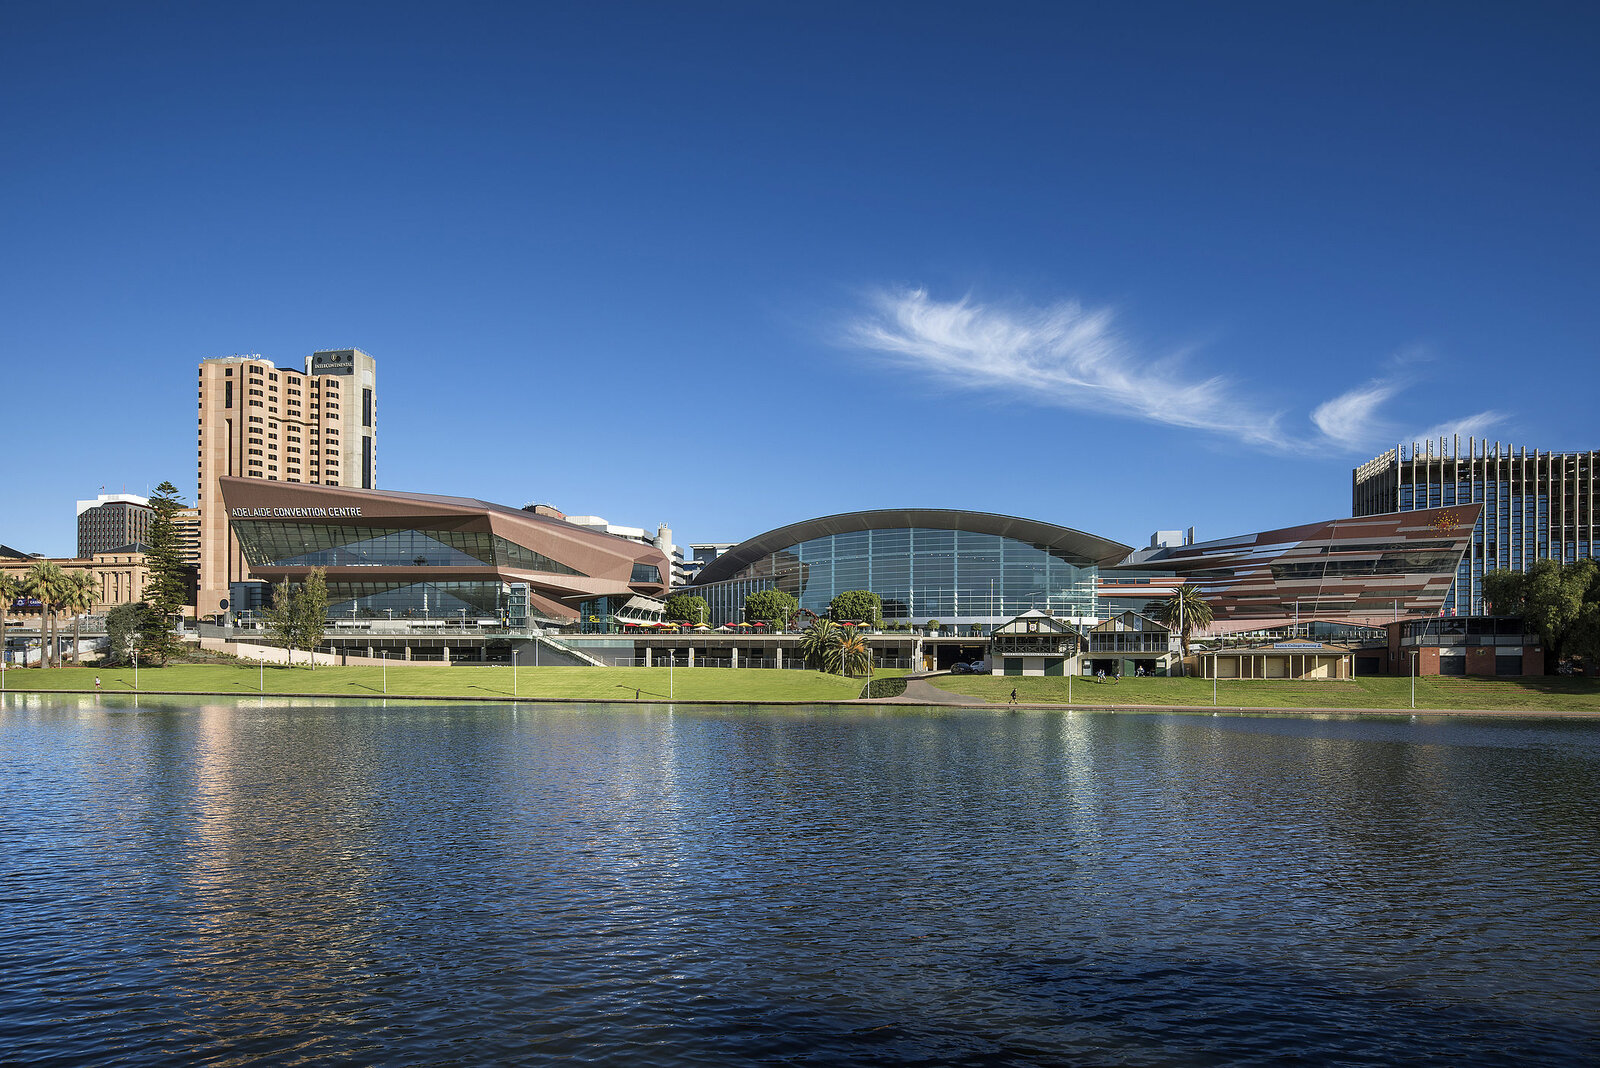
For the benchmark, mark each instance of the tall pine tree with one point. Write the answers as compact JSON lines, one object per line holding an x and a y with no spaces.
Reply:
{"x":166,"y":589}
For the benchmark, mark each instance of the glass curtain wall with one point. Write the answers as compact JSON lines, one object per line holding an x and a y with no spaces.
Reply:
{"x":468,"y":601}
{"x":329,"y":545}
{"x":953,"y":576}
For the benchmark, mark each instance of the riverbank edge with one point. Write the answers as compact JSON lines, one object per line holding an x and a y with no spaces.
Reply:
{"x":1515,"y":713}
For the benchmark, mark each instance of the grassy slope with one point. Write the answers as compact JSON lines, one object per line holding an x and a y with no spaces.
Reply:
{"x":712,"y":684}
{"x":575,"y":683}
{"x":1535,"y":694}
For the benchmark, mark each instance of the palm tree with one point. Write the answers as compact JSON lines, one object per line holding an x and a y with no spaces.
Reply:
{"x":80,"y":594}
{"x":1184,"y":611}
{"x":850,"y":653}
{"x":10,"y":590}
{"x":46,"y":581}
{"x":817,"y":642}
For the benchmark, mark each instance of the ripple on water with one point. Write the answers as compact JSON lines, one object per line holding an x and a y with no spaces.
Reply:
{"x":310,"y":881}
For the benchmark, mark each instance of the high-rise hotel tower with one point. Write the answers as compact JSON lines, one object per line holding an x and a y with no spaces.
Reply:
{"x":261,"y":421}
{"x":1536,"y":505}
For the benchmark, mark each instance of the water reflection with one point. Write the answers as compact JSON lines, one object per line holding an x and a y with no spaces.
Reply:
{"x":328,"y":880}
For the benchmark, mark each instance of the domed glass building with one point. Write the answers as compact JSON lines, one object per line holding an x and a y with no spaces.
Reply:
{"x":960,"y":568}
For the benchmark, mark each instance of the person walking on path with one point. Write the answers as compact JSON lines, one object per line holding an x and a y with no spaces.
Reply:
{"x":1013,"y":695}
{"x":97,"y":684}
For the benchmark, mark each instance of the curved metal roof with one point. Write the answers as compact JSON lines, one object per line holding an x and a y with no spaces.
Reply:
{"x":1082,"y":547}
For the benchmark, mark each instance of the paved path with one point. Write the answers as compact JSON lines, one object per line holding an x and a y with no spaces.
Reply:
{"x":919,"y":692}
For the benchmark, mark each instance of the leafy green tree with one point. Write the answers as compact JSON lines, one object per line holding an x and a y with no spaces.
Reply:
{"x":861,"y":606}
{"x":933,"y":626}
{"x":1184,"y":611}
{"x":818,"y":641}
{"x":46,"y":582}
{"x":166,"y":588}
{"x":1584,"y":637}
{"x":771,"y":606}
{"x":1503,"y":592}
{"x":280,"y":618}
{"x":134,"y":628}
{"x":1551,"y":597}
{"x":685,"y":608}
{"x":311,"y":612}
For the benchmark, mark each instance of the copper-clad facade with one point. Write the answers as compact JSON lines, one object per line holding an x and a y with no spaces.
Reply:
{"x":411,"y":555}
{"x":1368,"y":569}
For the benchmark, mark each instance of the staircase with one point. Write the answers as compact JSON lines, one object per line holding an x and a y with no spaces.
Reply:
{"x":563,"y":654}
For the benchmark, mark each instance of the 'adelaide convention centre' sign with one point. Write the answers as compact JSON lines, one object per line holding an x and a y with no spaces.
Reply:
{"x":297,"y":513}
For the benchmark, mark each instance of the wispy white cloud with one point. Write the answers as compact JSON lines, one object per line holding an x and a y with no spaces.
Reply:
{"x":1072,"y":357}
{"x":1063,"y":355}
{"x":1475,"y":426}
{"x":1354,"y":420}
{"x":1351,"y":420}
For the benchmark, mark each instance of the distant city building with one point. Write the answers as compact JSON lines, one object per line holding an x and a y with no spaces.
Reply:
{"x":317,"y":427}
{"x":121,"y":574}
{"x":112,"y":520}
{"x":1535,"y":505}
{"x":661,"y":539}
{"x":700,"y":555}
{"x":1169,"y":539}
{"x":186,"y":522}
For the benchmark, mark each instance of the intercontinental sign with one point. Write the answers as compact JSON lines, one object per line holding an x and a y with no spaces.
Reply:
{"x":296,"y":513}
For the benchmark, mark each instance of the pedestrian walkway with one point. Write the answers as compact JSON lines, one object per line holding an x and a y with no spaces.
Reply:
{"x":919,"y":692}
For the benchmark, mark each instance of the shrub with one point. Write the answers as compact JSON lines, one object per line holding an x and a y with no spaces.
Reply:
{"x":890,"y":687}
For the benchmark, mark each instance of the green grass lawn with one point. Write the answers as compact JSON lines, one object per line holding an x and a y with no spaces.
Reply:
{"x":436,"y":680}
{"x":1537,"y":694}
{"x":1533,"y":694}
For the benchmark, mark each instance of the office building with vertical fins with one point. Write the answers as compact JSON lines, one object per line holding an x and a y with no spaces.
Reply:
{"x":257,"y":420}
{"x":1536,"y":505}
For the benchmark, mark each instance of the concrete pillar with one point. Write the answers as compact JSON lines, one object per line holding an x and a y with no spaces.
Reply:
{"x":735,"y":661}
{"x":691,"y":656}
{"x":408,"y":652}
{"x":647,"y":658}
{"x":778,"y":651}
{"x":446,"y":651}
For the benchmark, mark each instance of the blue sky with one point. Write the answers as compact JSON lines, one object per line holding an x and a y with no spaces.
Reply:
{"x":1120,"y":267}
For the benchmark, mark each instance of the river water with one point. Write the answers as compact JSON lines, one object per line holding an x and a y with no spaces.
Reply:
{"x":311,"y":881}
